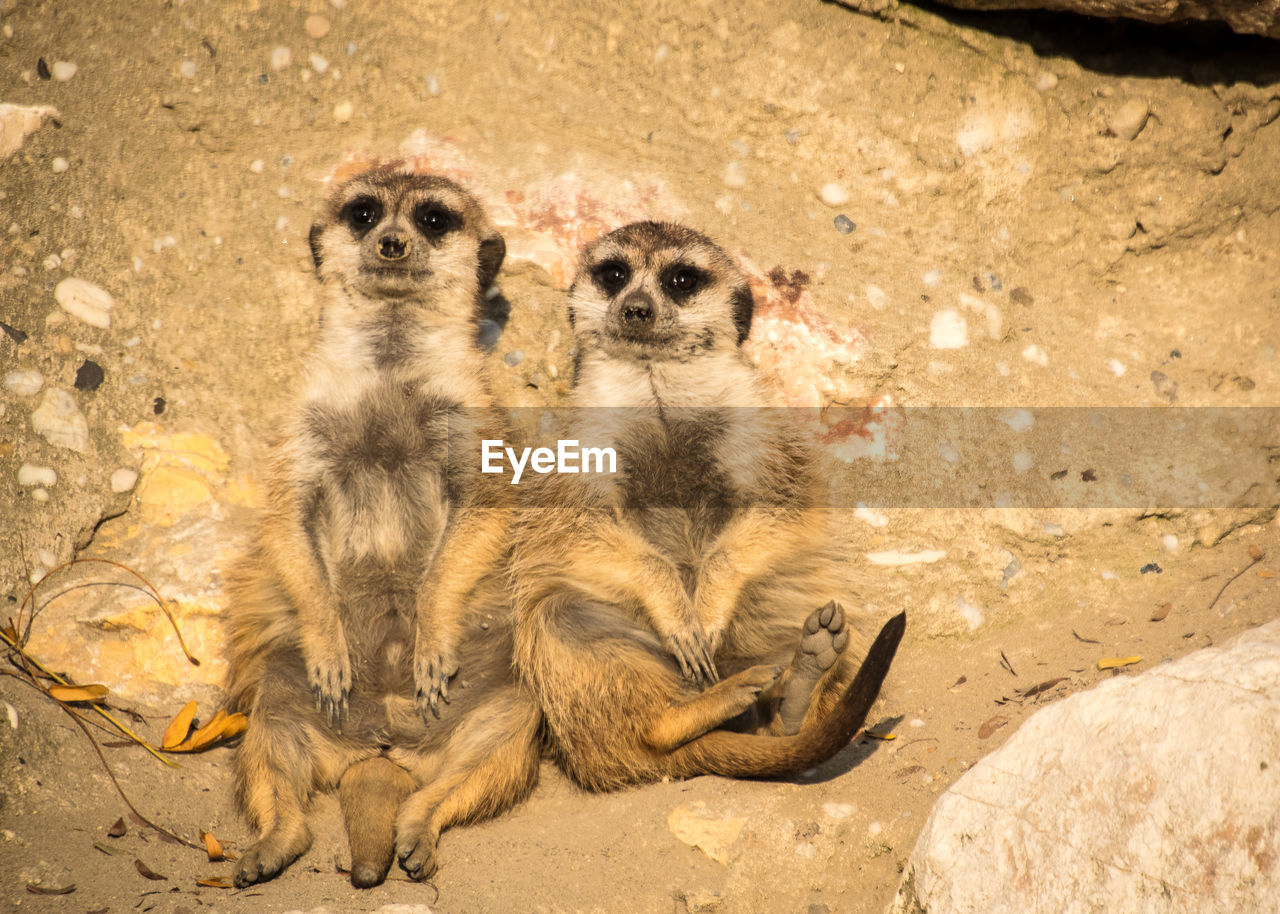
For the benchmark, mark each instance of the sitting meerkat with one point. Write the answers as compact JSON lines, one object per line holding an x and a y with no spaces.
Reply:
{"x":705,"y":553}
{"x":376,"y":567}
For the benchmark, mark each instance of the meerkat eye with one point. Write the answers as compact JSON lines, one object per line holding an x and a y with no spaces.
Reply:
{"x":612,"y":275}
{"x":433,"y":220}
{"x":362,"y":212}
{"x":682,"y":282}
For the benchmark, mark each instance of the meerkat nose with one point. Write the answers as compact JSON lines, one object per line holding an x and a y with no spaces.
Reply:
{"x":637,"y":308}
{"x":393,"y":246}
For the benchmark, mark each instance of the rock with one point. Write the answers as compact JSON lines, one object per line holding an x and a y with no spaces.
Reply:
{"x":59,"y":165}
{"x":1127,"y":121}
{"x":17,"y":122}
{"x":343,"y":111}
{"x":59,"y":420}
{"x":948,"y":330}
{"x":693,"y":825}
{"x":735,"y":176}
{"x":317,"y":26}
{"x":1250,"y":17}
{"x":123,"y":479}
{"x":89,"y":376}
{"x":895,"y":558}
{"x":30,"y":475}
{"x":844,"y":225}
{"x":834,"y":194}
{"x":1153,"y":793}
{"x":281,"y":57}
{"x":63,"y":70}
{"x":24,"y":382}
{"x":82,"y":299}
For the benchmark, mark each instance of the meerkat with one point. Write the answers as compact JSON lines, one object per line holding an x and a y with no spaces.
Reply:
{"x":375,"y":570}
{"x":703,"y":554}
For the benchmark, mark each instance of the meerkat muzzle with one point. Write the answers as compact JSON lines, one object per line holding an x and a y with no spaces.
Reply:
{"x":393,"y":247}
{"x":637,"y":309}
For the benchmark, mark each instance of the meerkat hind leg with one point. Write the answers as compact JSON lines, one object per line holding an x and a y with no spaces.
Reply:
{"x":720,"y":703}
{"x":824,"y":637}
{"x":371,"y":792}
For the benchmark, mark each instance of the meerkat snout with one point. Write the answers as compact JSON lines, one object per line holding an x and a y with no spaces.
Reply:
{"x":637,"y":308}
{"x":393,"y":246}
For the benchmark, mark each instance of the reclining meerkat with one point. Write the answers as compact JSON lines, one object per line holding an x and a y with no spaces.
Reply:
{"x":376,"y":566}
{"x":704,"y":554}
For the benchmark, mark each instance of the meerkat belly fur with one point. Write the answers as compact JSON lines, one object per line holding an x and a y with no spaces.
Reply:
{"x":376,"y":568}
{"x":706,"y":553}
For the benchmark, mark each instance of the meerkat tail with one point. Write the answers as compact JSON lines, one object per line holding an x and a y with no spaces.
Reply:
{"x":370,"y":794}
{"x":744,"y":755}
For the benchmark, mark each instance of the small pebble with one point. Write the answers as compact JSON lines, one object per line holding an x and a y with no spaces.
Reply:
{"x":281,"y":58}
{"x":81,"y":298}
{"x":342,"y":112}
{"x":1150,"y":568}
{"x":283,"y":192}
{"x":876,"y":297}
{"x":318,"y":63}
{"x":1022,"y":461}
{"x":433,"y":85}
{"x":735,"y":176}
{"x":932,"y":278}
{"x":52,"y":262}
{"x":256,"y":166}
{"x":1054,"y":529}
{"x":844,"y":225}
{"x":1127,"y":121}
{"x":996,"y":284}
{"x":24,"y":382}
{"x":317,"y":26}
{"x":59,"y":421}
{"x":30,"y":475}
{"x":89,"y":375}
{"x":1170,"y":542}
{"x":63,"y":70}
{"x":41,"y":495}
{"x":187,"y":69}
{"x":1034,"y":353}
{"x":60,"y":165}
{"x":834,"y":194}
{"x":1109,"y":575}
{"x":514,"y":357}
{"x":948,"y":330}
{"x":1117,"y":367}
{"x":123,"y":479}
{"x":1020,"y":296}
{"x":488,"y":333}
{"x":1046,"y":81}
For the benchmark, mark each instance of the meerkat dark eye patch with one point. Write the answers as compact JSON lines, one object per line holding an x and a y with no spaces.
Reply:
{"x":434,"y":220}
{"x":362,"y":214}
{"x":612,"y":276}
{"x":682,"y":280}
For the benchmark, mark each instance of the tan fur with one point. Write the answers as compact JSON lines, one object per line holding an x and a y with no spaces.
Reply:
{"x":376,"y":568}
{"x":706,"y":553}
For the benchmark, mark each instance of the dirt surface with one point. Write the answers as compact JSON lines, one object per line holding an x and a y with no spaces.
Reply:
{"x":1098,"y":205}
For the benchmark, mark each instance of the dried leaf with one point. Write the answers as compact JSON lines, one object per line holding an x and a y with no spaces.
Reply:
{"x":213,"y":847}
{"x":1110,"y":663}
{"x":45,"y":890}
{"x":959,"y":682}
{"x":179,"y":727}
{"x":1160,"y":614}
{"x":1256,"y":554}
{"x":223,"y":727}
{"x":117,"y":830}
{"x":1042,"y":686}
{"x":94,"y":692}
{"x":214,"y":882}
{"x":881,"y":736}
{"x":1082,"y":639}
{"x":1266,"y":574}
{"x":991,"y":725}
{"x":146,"y":871}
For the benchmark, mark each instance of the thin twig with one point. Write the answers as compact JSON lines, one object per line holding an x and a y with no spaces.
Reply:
{"x":1214,"y":601}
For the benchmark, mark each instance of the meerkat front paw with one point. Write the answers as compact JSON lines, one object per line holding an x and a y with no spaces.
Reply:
{"x":435,"y":663}
{"x":693,"y":650}
{"x":328,"y":665}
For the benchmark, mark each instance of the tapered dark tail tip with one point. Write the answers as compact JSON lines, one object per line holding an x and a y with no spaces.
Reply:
{"x":865,"y":688}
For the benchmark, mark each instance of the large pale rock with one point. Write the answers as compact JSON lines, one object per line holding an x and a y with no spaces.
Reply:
{"x":1158,"y":793}
{"x":1252,"y":17}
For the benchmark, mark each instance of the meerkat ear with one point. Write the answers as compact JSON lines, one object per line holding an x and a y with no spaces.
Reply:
{"x":313,"y":239}
{"x":492,"y":252}
{"x":743,"y":307}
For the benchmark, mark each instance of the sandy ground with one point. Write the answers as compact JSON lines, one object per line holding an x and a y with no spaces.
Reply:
{"x":988,"y":170}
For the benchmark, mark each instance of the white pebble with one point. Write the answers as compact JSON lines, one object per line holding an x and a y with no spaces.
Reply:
{"x":1046,"y":81}
{"x":915,"y":722}
{"x":838,"y":811}
{"x":735,"y":175}
{"x":256,"y":166}
{"x":661,"y":53}
{"x":1127,"y":121}
{"x":63,"y":70}
{"x":31,"y":475}
{"x":317,"y":26}
{"x":948,"y":330}
{"x":282,"y":223}
{"x":875,"y":828}
{"x":894,"y":558}
{"x":281,"y":57}
{"x":342,"y":112}
{"x":59,"y":420}
{"x":871,"y":517}
{"x":947,"y":453}
{"x":123,"y":479}
{"x":876,"y":297}
{"x":1022,"y":461}
{"x":932,"y":278}
{"x":433,"y":85}
{"x":12,"y":714}
{"x":1109,"y":575}
{"x":81,"y":298}
{"x":76,"y":212}
{"x":24,"y":382}
{"x":187,"y":69}
{"x":318,"y":63}
{"x":283,"y":192}
{"x":1117,"y":367}
{"x":60,"y":165}
{"x":52,"y":262}
{"x":1034,"y":353}
{"x":834,"y":194}
{"x":1170,"y":542}
{"x":971,"y":614}
{"x":40,"y":495}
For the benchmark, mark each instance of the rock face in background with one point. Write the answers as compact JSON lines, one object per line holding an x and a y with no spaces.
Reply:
{"x":1248,"y":17}
{"x":1151,"y":794}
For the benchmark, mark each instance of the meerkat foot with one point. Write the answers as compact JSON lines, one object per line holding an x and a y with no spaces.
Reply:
{"x":433,"y":666}
{"x":269,"y":857}
{"x":416,"y":851}
{"x":692,"y":650}
{"x":824,"y":637}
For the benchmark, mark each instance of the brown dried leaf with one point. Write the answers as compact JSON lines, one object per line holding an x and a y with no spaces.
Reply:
{"x":881,"y":736}
{"x":223,"y":727}
{"x":108,"y":849}
{"x":1111,"y":663}
{"x":146,"y":871}
{"x":45,"y":890}
{"x":179,"y":727}
{"x":959,"y":682}
{"x":117,"y":830}
{"x":212,"y":846}
{"x":1266,"y":574}
{"x":93,"y":692}
{"x":214,"y":882}
{"x":1043,"y":686}
{"x":1256,"y":554}
{"x":1160,"y":614}
{"x":991,"y":725}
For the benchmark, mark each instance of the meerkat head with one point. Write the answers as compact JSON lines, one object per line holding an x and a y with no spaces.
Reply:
{"x":391,"y":233}
{"x":658,"y":290}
